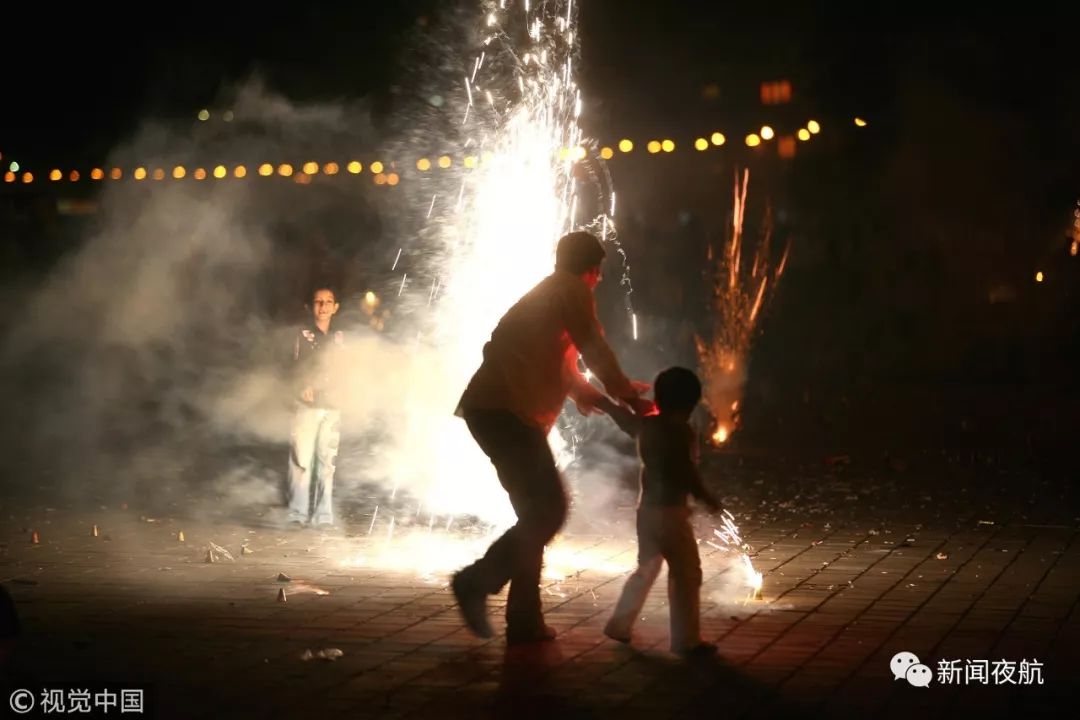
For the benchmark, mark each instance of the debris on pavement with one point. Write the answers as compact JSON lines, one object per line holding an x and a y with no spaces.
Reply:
{"x":216,"y":553}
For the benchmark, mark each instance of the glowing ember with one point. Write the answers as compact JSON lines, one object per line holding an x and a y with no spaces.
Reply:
{"x":741,"y":290}
{"x":297,"y":587}
{"x":753,"y":577}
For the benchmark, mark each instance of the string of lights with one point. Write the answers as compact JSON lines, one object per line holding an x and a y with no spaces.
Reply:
{"x":388,"y":175}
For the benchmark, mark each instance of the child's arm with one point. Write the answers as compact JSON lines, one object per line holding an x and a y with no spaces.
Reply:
{"x":627,"y":421}
{"x":299,"y":380}
{"x":697,"y":487}
{"x":702,"y":494}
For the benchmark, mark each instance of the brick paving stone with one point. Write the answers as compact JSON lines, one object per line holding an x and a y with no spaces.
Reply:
{"x":841,"y":596}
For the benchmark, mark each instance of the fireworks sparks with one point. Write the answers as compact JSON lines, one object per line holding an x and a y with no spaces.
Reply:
{"x":732,"y":541}
{"x":739,"y":294}
{"x":530,"y":181}
{"x":489,"y":238}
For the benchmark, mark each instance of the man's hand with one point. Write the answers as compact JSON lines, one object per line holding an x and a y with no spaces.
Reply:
{"x":641,"y":406}
{"x":308,"y":394}
{"x":587,"y":398}
{"x":586,"y":406}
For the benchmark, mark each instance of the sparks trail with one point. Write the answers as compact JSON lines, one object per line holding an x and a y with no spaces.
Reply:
{"x":740,"y":291}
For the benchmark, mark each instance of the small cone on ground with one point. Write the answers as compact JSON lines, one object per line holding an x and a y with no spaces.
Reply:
{"x":94,"y":531}
{"x":245,"y":550}
{"x":281,"y":595}
{"x":34,"y":539}
{"x":180,"y":536}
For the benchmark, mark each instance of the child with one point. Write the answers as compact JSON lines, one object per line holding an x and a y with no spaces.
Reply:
{"x":669,"y":474}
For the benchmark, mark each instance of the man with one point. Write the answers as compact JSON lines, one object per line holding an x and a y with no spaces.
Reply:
{"x":315,"y":428}
{"x":510,"y":405}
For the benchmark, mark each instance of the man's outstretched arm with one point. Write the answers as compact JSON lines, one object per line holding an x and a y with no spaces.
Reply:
{"x":588,"y":338}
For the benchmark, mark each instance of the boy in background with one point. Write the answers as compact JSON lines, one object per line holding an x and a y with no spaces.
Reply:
{"x":316,"y":423}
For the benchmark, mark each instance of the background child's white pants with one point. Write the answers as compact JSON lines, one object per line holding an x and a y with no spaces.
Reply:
{"x":312,"y":456}
{"x":664,"y":533}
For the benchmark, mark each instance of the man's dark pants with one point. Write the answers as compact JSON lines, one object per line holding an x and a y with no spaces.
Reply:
{"x":526,"y":468}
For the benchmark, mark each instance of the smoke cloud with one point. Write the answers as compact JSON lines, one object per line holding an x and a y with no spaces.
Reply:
{"x":151,"y":364}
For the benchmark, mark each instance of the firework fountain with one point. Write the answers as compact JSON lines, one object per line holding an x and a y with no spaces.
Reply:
{"x":528,"y":177}
{"x":732,"y":544}
{"x":493,"y":227}
{"x":740,"y":291}
{"x":489,"y":232}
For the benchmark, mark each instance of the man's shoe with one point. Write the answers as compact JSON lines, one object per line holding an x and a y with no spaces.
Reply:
{"x":545,"y":633}
{"x":472,"y":602}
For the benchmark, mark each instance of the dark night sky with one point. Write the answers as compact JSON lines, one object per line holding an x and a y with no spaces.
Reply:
{"x":77,"y":86}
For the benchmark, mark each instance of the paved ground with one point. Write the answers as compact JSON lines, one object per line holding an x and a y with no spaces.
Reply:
{"x":948,"y":558}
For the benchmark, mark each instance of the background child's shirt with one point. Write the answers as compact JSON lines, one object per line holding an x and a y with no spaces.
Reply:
{"x":317,"y":364}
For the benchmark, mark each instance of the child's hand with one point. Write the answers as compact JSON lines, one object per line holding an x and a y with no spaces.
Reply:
{"x":641,"y":406}
{"x":308,"y":394}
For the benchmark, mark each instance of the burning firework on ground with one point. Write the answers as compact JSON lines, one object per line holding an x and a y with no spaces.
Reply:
{"x":490,"y":228}
{"x":744,"y":282}
{"x":733,"y":542}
